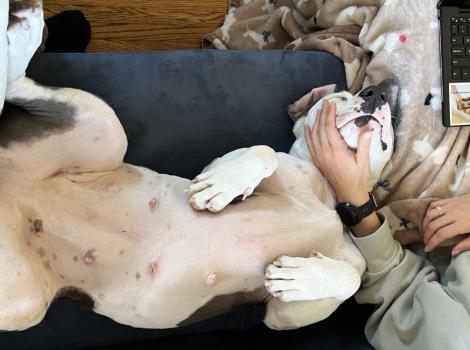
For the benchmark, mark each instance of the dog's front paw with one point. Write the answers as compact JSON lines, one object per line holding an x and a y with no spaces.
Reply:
{"x":24,"y":36}
{"x":318,"y":277}
{"x":216,"y":188}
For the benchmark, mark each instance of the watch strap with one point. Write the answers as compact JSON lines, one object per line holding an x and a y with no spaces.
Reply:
{"x":368,"y":208}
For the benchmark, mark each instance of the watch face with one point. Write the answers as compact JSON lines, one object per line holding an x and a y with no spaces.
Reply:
{"x":348,"y":215}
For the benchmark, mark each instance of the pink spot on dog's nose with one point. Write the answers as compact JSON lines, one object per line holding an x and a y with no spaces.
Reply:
{"x":153,"y":204}
{"x":90,"y":256}
{"x":152,"y":269}
{"x":403,"y":38}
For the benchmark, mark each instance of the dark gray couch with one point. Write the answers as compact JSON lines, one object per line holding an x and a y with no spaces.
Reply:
{"x":181,"y":110}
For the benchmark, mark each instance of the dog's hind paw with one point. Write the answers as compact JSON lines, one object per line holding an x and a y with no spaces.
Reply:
{"x":314,"y":278}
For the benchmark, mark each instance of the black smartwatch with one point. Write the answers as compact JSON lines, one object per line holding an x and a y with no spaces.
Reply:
{"x":351,"y":215}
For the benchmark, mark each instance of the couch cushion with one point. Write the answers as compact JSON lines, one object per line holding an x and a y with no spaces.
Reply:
{"x":182,"y":109}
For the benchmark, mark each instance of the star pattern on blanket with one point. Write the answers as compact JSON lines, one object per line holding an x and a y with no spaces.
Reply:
{"x":385,"y":184}
{"x":266,"y":36}
{"x":404,"y":223}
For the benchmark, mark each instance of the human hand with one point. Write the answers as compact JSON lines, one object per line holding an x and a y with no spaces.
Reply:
{"x":453,"y":222}
{"x":346,"y":171}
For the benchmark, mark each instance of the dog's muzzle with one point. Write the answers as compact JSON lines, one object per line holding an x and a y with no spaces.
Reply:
{"x":381,"y":118}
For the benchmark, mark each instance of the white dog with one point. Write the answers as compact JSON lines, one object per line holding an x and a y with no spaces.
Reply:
{"x":76,"y":221}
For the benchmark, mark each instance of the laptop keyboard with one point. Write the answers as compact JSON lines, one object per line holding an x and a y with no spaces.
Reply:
{"x":460,"y":30}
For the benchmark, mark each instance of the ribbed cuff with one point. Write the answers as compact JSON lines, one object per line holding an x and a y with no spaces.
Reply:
{"x":378,"y":248}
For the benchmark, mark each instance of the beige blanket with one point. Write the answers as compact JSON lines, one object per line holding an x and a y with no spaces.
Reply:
{"x":402,"y":38}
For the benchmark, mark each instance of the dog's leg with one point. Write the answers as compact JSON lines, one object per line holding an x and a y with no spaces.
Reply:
{"x":307,"y":290}
{"x":4,"y":5}
{"x":24,"y":38}
{"x":74,"y":123}
{"x":237,"y":173}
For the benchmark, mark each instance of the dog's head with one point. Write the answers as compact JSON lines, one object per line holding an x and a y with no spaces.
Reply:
{"x":376,"y":106}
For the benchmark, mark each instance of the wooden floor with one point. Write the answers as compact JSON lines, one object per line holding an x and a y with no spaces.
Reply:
{"x":143,"y":25}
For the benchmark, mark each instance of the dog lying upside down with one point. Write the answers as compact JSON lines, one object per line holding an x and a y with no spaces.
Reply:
{"x":77,"y":221}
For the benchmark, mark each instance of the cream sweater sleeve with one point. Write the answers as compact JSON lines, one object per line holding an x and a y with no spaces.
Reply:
{"x":414,"y":311}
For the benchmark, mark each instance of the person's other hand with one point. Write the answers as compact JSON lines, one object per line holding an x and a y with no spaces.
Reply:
{"x":454,"y":222}
{"x":346,"y":171}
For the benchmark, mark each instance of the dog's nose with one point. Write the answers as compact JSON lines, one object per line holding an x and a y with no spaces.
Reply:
{"x":374,"y":94}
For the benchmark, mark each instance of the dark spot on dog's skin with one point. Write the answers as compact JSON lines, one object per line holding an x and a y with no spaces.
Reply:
{"x":137,"y":315}
{"x":41,"y":252}
{"x":78,"y":295}
{"x":137,"y":276}
{"x":47,"y":265}
{"x":96,"y":139}
{"x":54,"y":256}
{"x":75,"y":258}
{"x":43,"y":119}
{"x":18,"y":274}
{"x":127,"y":272}
{"x":37,"y":227}
{"x":82,"y":281}
{"x":167,"y":185}
{"x":224,"y":303}
{"x":429,"y":97}
{"x":101,"y":296}
{"x":168,"y":226}
{"x":384,"y":146}
{"x":121,"y":252}
{"x":62,"y":277}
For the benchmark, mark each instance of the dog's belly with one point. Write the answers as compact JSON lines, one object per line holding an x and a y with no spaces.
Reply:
{"x":130,"y":240}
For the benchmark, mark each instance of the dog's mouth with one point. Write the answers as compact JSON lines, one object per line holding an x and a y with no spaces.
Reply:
{"x":379,"y":121}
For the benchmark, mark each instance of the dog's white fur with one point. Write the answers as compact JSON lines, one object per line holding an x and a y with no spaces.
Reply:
{"x":202,"y":256}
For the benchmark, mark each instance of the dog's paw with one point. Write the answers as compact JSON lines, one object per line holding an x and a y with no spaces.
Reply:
{"x":314,"y":278}
{"x":24,"y":36}
{"x":216,"y":188}
{"x":236,"y":174}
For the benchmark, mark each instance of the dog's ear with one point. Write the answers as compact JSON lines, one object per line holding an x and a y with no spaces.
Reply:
{"x":301,"y":107}
{"x":392,"y":95}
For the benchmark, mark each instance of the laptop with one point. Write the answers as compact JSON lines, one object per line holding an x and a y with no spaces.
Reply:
{"x":454,"y":16}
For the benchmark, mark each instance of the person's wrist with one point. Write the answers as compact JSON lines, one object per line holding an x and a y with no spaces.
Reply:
{"x":356,"y":198}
